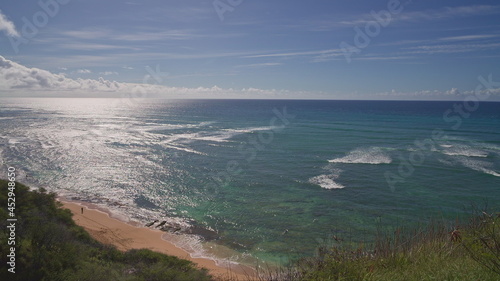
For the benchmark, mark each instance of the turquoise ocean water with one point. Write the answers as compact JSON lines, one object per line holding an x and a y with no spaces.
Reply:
{"x":259,"y":179}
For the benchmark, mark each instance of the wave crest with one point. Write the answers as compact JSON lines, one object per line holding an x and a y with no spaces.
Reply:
{"x":327,"y":181}
{"x":463,"y":150}
{"x":372,"y":155}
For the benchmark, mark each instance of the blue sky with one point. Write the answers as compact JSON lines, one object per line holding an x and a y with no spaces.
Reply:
{"x":252,"y":49}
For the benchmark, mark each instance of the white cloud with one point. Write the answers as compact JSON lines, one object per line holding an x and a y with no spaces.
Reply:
{"x":7,"y":26}
{"x":14,"y":76}
{"x":108,"y":73}
{"x":453,"y":92}
{"x":83,"y":71}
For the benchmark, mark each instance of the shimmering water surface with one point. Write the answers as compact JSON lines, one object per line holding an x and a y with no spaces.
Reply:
{"x":266,"y":179}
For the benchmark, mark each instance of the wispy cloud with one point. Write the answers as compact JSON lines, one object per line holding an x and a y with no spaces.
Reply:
{"x":452,"y":48}
{"x":102,"y":33}
{"x":325,"y":55}
{"x":93,"y":47}
{"x":156,"y":35}
{"x":83,"y":71}
{"x":470,"y":37}
{"x":151,"y":34}
{"x":88,"y":33}
{"x":447,"y":45}
{"x":257,"y":65}
{"x":383,"y":58}
{"x":406,"y":16}
{"x":128,"y":59}
{"x":450,"y":12}
{"x":106,"y":73}
{"x":8,"y":26}
{"x":295,"y":54}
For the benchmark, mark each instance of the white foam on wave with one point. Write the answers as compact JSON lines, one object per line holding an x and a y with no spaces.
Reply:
{"x":466,"y":153}
{"x":220,"y":136}
{"x":372,"y":155}
{"x":215,"y":137}
{"x":206,"y":123}
{"x":492,"y":148}
{"x":225,"y":135}
{"x":185,"y":149}
{"x":327,"y":181}
{"x":252,"y":129}
{"x":478,"y":165}
{"x":198,"y":248}
{"x":463,"y":150}
{"x":446,"y":145}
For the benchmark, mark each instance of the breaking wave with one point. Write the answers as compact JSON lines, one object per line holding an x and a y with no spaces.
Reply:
{"x":372,"y":155}
{"x":328,"y":181}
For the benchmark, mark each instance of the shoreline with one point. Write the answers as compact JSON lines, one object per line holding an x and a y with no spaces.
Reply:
{"x":126,"y":236}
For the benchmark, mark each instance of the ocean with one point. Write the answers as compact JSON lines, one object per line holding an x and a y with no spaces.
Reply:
{"x":260,"y":180}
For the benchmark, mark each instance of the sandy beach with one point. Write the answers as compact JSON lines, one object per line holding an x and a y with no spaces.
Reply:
{"x":125,"y":236}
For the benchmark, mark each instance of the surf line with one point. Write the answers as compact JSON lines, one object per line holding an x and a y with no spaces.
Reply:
{"x":460,"y":111}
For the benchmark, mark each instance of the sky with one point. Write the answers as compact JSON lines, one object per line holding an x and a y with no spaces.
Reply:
{"x":320,"y":49}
